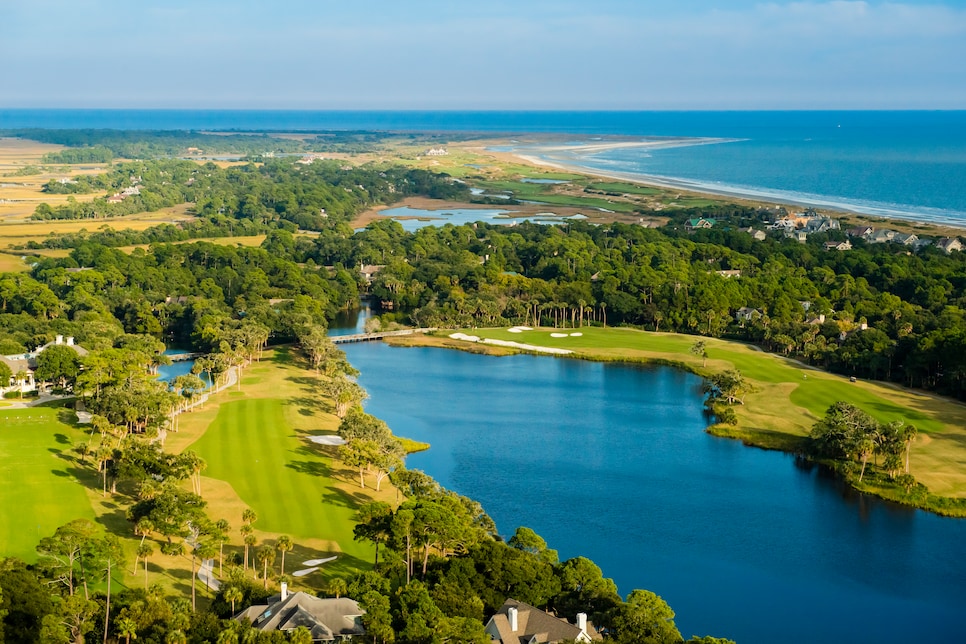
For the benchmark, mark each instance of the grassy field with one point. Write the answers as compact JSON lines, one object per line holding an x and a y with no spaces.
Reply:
{"x":788,"y":397}
{"x":20,"y":232}
{"x":39,"y":480}
{"x":256,"y":443}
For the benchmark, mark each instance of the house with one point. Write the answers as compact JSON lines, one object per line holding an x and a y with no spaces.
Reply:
{"x":838,"y":245}
{"x":26,"y":363}
{"x":329,"y":620}
{"x":860,"y":231}
{"x":949,"y":244}
{"x":906,"y":239}
{"x":881,"y":236}
{"x":436,"y":152}
{"x":758,"y":234}
{"x":115,"y":198}
{"x":729,"y":273}
{"x":520,"y":623}
{"x":820,"y":225}
{"x":746,"y":313}
{"x":798,"y":235}
{"x":369,"y":271}
{"x":695,"y":224}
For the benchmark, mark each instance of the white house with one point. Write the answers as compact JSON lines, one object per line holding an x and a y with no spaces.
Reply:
{"x":26,"y":364}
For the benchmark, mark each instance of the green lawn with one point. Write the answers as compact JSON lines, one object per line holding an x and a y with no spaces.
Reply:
{"x":282,"y":476}
{"x":542,"y":193}
{"x":39,"y":490}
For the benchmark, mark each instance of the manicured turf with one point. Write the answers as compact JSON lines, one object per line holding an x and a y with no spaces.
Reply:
{"x":284,"y":478}
{"x":38,"y":487}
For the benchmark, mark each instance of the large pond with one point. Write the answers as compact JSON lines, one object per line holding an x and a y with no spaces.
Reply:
{"x":611,"y":461}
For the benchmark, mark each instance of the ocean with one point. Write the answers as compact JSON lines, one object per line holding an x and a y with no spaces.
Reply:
{"x":894,"y":164}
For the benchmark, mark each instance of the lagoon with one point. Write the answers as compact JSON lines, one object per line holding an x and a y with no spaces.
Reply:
{"x":412,"y":219}
{"x":611,"y":462}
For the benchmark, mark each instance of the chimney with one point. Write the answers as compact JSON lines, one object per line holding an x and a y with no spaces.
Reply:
{"x":59,"y":340}
{"x":284,"y":591}
{"x":70,"y":341}
{"x":582,"y":622}
{"x":511,"y":615}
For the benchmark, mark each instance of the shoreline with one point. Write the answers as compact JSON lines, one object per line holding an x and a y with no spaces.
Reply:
{"x":534,"y":157}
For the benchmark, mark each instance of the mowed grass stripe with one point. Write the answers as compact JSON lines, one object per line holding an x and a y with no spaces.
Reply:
{"x":251,"y":446}
{"x":38,"y":491}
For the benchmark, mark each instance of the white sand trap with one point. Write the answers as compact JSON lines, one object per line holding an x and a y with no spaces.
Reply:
{"x":527,"y":347}
{"x":558,"y":335}
{"x":463,"y":336}
{"x":302,"y":573}
{"x":511,"y":330}
{"x":327,"y":440}
{"x":576,"y":335}
{"x":319,"y":562}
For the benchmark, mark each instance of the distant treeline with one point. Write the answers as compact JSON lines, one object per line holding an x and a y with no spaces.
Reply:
{"x":102,"y":145}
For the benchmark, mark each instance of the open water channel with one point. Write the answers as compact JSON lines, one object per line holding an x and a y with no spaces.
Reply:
{"x":611,"y":462}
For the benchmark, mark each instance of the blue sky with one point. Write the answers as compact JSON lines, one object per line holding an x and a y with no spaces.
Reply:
{"x":496,"y":54}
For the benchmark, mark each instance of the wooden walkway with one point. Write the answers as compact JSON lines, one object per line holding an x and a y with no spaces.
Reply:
{"x":367,"y":337}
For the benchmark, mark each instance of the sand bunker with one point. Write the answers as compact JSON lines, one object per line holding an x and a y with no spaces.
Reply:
{"x":328,"y":440}
{"x":319,"y":562}
{"x":463,"y":336}
{"x":509,"y":343}
{"x":558,"y":335}
{"x":576,"y":335}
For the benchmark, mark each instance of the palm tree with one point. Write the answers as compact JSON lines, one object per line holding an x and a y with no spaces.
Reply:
{"x":283,"y":544}
{"x":250,"y":541}
{"x":301,"y":635}
{"x":265,"y":556}
{"x":144,"y":551}
{"x":336,"y":586}
{"x":126,"y":628}
{"x":233,"y":594}
{"x":223,"y":527}
{"x":175,"y":637}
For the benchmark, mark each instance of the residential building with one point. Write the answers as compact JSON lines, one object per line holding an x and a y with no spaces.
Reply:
{"x":329,"y":620}
{"x":746,"y":313}
{"x":518,"y":623}
{"x":436,"y":152}
{"x":26,"y":363}
{"x":905,"y":239}
{"x":838,"y":245}
{"x":881,"y":236}
{"x":949,"y":244}
{"x":860,"y":231}
{"x":696,"y":224}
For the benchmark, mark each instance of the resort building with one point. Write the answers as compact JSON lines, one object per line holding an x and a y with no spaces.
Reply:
{"x":517,"y":622}
{"x":329,"y":620}
{"x":436,"y":152}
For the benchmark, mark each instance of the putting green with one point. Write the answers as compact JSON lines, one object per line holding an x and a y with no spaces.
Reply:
{"x":284,"y":478}
{"x":39,"y":490}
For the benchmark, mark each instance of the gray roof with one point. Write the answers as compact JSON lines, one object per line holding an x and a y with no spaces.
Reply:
{"x":326,"y":618}
{"x":536,"y":625}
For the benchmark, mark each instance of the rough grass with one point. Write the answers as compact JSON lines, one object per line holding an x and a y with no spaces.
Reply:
{"x":788,"y":397}
{"x":39,"y":488}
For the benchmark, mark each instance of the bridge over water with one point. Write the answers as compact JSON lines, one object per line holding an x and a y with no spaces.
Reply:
{"x":379,"y":335}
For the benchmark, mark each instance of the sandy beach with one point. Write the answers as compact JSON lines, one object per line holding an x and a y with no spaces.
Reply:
{"x":845,"y":212}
